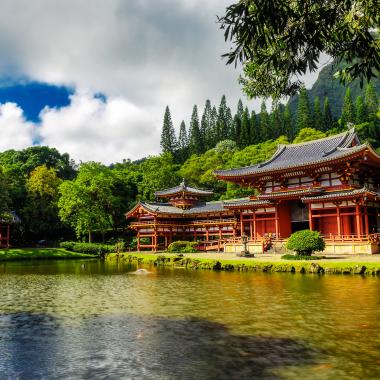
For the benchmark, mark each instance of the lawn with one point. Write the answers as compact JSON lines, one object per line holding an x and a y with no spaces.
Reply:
{"x":39,"y":253}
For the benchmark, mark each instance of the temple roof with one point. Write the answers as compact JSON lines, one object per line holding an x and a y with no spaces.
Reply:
{"x":303,"y":154}
{"x":182,"y":188}
{"x":343,"y":194}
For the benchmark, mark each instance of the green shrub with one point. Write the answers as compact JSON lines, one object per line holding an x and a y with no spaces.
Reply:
{"x":305,"y":242}
{"x":300,"y":257}
{"x":183,"y":246}
{"x":143,"y":241}
{"x":92,"y":248}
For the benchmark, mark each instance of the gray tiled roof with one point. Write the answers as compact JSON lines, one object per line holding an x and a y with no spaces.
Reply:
{"x":307,"y":153}
{"x":342,"y":194}
{"x":246,"y":202}
{"x":298,"y":192}
{"x":167,"y":208}
{"x":182,"y":187}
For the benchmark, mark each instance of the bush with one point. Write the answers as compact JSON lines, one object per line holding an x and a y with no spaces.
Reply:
{"x":183,"y":246}
{"x":92,"y":248}
{"x":300,"y":257}
{"x":305,"y":242}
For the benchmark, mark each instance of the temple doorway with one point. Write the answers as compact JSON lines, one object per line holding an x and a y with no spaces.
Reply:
{"x":299,"y":216}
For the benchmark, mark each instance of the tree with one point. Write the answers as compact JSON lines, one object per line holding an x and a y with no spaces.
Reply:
{"x":237,"y":130}
{"x":304,"y":119}
{"x":277,"y":41}
{"x":40,"y":213}
{"x":361,"y":115}
{"x":327,"y":115}
{"x":168,"y":139}
{"x":348,"y":110}
{"x":4,"y":193}
{"x":308,"y":134}
{"x":245,"y":139}
{"x":253,"y":133}
{"x":288,"y":123}
{"x":85,"y":203}
{"x":183,"y":141}
{"x":205,"y":129}
{"x":276,"y":121}
{"x":223,"y":127}
{"x":212,"y":138}
{"x":195,"y":137}
{"x":317,"y":115}
{"x":264,"y":123}
{"x":371,"y":103}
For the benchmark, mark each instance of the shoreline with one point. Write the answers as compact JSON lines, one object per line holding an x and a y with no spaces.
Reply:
{"x":257,"y":264}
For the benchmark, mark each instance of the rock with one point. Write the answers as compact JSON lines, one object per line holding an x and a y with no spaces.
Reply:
{"x":217,"y":266}
{"x":315,"y":268}
{"x":359,"y":269}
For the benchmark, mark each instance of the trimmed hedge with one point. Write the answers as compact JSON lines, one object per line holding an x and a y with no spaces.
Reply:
{"x":92,"y":248}
{"x":182,"y":246}
{"x":306,"y":242}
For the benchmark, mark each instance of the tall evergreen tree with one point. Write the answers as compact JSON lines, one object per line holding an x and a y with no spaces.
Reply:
{"x":253,"y":130}
{"x":304,"y":119}
{"x":371,"y":102}
{"x":240,"y":109}
{"x":264,"y":124}
{"x":229,"y":124}
{"x":168,"y":138}
{"x":237,"y":130}
{"x":245,"y":129}
{"x":276,"y":122}
{"x":206,"y":125}
{"x":348,"y":110}
{"x":288,"y":123}
{"x":213,"y":132}
{"x":183,"y":141}
{"x":317,"y":115}
{"x":195,"y":138}
{"x":327,"y":115}
{"x":361,"y":114}
{"x":222,"y":123}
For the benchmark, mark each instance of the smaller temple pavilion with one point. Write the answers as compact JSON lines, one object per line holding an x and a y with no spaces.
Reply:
{"x":331,"y":185}
{"x":6,"y":221}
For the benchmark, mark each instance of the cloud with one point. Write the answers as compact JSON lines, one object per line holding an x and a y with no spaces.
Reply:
{"x":15,"y":132}
{"x":91,"y":129}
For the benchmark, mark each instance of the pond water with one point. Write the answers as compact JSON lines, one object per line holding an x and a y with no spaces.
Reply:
{"x":95,"y":320}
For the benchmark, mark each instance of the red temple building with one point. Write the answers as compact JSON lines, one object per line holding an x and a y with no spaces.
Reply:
{"x":329,"y":185}
{"x":5,"y":228}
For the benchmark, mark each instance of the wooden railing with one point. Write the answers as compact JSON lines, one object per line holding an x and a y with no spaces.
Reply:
{"x":210,"y":222}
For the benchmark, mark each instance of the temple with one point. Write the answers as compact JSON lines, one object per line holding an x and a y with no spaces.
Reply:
{"x":329,"y":185}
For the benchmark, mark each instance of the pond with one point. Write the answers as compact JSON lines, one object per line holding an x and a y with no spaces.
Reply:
{"x":96,"y":320}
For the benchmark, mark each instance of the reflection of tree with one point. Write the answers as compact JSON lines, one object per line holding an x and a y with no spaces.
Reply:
{"x":128,"y":346}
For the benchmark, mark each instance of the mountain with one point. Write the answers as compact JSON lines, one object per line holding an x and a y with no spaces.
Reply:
{"x":327,"y":85}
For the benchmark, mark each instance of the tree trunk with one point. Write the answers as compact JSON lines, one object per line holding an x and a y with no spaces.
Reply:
{"x":89,"y":236}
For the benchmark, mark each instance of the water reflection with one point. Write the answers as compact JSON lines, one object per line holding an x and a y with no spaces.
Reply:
{"x":65,"y":320}
{"x":40,"y":346}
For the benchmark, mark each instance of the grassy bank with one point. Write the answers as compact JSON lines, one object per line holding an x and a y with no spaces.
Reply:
{"x":172,"y":260}
{"x":39,"y":254}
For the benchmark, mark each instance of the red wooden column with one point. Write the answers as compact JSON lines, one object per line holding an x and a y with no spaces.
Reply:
{"x":338,"y":219}
{"x":276,"y":219}
{"x":241,"y":223}
{"x":207,"y":234}
{"x":366,"y":222}
{"x":358,"y":222}
{"x":311,"y":224}
{"x":138,"y":240}
{"x":251,"y":229}
{"x":254,"y":226}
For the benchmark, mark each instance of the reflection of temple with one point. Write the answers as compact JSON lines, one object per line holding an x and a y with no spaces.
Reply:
{"x":330,"y":185}
{"x":5,"y":228}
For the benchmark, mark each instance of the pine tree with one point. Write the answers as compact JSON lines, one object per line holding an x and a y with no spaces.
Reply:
{"x":237,"y":130}
{"x":348,"y":110}
{"x":245,"y":129}
{"x":206,"y":125}
{"x":195,"y":138}
{"x":317,"y":115}
{"x":288,"y":123}
{"x":222,"y":123}
{"x":371,"y":103}
{"x":240,"y":109}
{"x":276,"y":122}
{"x":327,"y":115}
{"x":253,"y":128}
{"x":183,"y":141}
{"x":229,"y":125}
{"x":213,"y":132}
{"x":168,"y":138}
{"x":264,"y":124}
{"x":361,"y":115}
{"x":304,"y":119}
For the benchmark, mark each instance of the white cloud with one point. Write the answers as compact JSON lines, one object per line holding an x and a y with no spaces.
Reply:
{"x":15,"y":132}
{"x":90,"y":129}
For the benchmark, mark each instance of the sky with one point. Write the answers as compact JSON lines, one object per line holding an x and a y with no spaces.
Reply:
{"x":92,"y":78}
